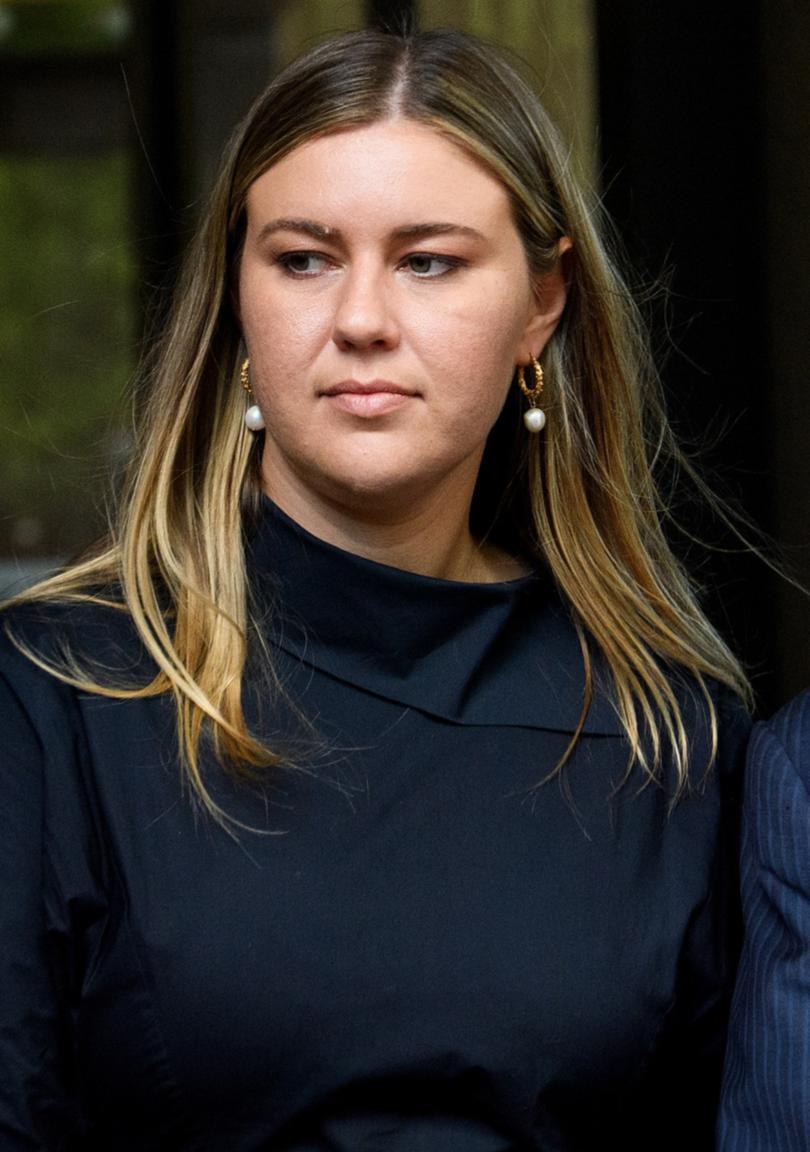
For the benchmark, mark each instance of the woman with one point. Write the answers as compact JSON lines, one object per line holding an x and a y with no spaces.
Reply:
{"x":462,"y":740}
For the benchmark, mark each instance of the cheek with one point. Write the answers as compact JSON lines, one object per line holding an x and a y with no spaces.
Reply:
{"x":282,"y":338}
{"x":478,"y":348}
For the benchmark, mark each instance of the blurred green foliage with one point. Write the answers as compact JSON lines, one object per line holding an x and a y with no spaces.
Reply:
{"x":68,"y":322}
{"x":61,"y":27}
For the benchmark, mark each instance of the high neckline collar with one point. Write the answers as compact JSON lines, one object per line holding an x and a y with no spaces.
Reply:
{"x":375,"y":569}
{"x":472,"y":653}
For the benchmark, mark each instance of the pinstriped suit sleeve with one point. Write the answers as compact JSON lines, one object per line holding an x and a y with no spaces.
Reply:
{"x":766,"y":1091}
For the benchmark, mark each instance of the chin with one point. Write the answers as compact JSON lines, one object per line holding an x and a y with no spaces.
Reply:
{"x":375,"y":492}
{"x":369,"y":482}
{"x":372,"y":488}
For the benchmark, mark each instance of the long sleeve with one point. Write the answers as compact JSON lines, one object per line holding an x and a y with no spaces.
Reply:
{"x":30,"y":1085}
{"x":766,"y":1099}
{"x":40,"y":961}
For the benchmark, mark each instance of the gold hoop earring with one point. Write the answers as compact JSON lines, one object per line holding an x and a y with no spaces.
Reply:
{"x":253,"y":416}
{"x":534,"y":418}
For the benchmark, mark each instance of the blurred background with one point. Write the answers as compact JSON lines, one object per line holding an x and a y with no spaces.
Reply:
{"x":689,"y":120}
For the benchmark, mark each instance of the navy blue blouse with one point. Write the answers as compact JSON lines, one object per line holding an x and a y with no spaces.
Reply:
{"x":421,"y":946}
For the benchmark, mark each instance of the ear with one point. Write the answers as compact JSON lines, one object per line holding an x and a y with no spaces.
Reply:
{"x":550,"y":294}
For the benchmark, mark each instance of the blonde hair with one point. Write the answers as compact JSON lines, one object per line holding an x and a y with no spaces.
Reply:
{"x":581,"y":499}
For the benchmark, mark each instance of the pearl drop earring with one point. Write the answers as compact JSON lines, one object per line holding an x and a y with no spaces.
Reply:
{"x":253,"y":416}
{"x":534,"y":418}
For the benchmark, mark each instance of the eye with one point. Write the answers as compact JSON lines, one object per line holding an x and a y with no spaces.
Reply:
{"x":427,"y":266}
{"x":302,"y":263}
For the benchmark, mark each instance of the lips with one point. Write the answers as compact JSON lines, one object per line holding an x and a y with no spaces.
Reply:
{"x":365,"y":388}
{"x":368,"y":398}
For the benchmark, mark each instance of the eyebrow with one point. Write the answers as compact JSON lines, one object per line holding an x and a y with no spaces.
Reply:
{"x":335,"y":236}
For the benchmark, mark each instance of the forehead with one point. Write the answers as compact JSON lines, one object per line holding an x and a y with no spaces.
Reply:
{"x":390,"y":168}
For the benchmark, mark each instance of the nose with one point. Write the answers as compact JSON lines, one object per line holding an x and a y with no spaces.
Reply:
{"x":364,"y":316}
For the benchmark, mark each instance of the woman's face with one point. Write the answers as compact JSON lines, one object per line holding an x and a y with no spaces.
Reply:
{"x":385,"y":300}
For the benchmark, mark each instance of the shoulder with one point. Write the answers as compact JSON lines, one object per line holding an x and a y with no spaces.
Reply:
{"x":95,"y":635}
{"x":777,"y":797}
{"x":734,"y":725}
{"x":39,"y":719}
{"x":52,"y":655}
{"x":717,"y":726}
{"x":782,"y":744}
{"x":777,"y":789}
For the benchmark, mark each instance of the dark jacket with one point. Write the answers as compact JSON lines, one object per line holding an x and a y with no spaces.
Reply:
{"x":766,"y":1097}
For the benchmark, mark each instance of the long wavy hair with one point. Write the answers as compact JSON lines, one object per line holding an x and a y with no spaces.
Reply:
{"x":581,"y":499}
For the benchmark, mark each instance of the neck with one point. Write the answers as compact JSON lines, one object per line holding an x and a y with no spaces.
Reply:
{"x":428,"y":535}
